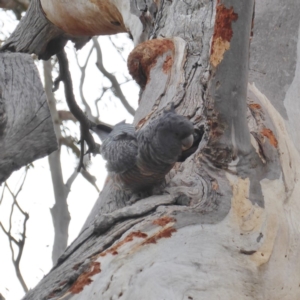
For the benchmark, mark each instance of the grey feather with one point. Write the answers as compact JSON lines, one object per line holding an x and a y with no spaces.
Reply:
{"x":138,"y":161}
{"x":120,"y":149}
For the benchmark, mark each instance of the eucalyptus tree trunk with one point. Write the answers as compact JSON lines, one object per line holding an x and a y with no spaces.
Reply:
{"x":236,"y":233}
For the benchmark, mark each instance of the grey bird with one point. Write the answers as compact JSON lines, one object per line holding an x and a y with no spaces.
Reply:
{"x":139,"y":160}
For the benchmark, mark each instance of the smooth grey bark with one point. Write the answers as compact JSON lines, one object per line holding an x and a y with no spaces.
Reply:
{"x":273,"y":60}
{"x":26,"y":130}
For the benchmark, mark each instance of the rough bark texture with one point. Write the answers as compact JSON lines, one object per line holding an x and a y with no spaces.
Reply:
{"x":26,"y":131}
{"x":48,"y":25}
{"x":36,"y":34}
{"x":237,"y":236}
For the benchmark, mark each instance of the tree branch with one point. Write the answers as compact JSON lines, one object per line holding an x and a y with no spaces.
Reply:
{"x":21,"y":242}
{"x":82,"y":78}
{"x":85,"y":123}
{"x":115,"y":85}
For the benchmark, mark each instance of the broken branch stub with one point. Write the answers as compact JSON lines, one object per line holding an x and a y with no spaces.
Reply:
{"x":48,"y":25}
{"x":36,"y":34}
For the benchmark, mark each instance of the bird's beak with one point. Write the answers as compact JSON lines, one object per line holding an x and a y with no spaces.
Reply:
{"x":187,"y":142}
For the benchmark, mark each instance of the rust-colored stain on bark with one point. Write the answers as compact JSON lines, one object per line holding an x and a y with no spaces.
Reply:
{"x":89,"y":17}
{"x":142,"y":122}
{"x":53,"y":294}
{"x":222,"y":33}
{"x":76,"y":267}
{"x":165,"y":233}
{"x":63,"y":282}
{"x":167,"y":64}
{"x":270,"y":136}
{"x":217,"y":129}
{"x":254,"y":106}
{"x":143,"y":57}
{"x":163,"y":221}
{"x":85,"y":278}
{"x":129,"y":238}
{"x":214,"y":185}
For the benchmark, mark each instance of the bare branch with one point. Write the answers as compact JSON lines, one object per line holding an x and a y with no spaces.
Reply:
{"x":69,"y":142}
{"x":104,"y":90}
{"x":119,"y":49}
{"x":8,"y":234}
{"x":81,"y":165}
{"x":90,"y":178}
{"x":71,"y":180}
{"x":59,"y":212}
{"x":82,"y":78}
{"x":2,"y":195}
{"x":85,"y":123}
{"x":21,"y":242}
{"x":115,"y":85}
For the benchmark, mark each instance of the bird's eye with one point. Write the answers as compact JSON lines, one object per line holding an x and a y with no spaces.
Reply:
{"x":187,"y":142}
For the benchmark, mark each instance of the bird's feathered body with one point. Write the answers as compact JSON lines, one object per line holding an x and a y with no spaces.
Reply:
{"x":120,"y":148}
{"x":139,"y":160}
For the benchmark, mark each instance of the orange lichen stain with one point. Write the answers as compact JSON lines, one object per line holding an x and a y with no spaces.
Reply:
{"x":167,"y":64}
{"x":129,"y":238}
{"x":254,"y":106}
{"x":143,"y":57}
{"x":222,"y":33}
{"x":85,"y":278}
{"x":271,"y":137}
{"x":214,"y":185}
{"x":163,"y":221}
{"x":165,"y":233}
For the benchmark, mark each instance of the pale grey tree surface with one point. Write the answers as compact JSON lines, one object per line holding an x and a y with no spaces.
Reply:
{"x":226,"y":225}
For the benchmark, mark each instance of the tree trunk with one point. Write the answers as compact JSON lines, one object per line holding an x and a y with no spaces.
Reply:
{"x":60,"y":211}
{"x":26,"y":131}
{"x":237,"y":237}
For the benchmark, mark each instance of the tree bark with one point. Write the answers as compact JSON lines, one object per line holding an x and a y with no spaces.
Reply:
{"x":36,"y":34}
{"x":237,"y":236}
{"x":26,"y":131}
